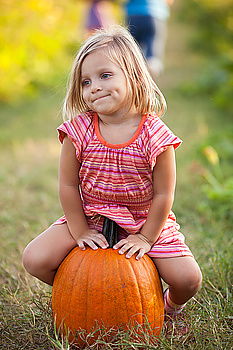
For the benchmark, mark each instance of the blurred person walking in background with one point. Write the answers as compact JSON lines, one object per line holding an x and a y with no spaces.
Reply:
{"x":147,"y":22}
{"x":161,"y":12}
{"x":99,"y":15}
{"x":141,"y":25}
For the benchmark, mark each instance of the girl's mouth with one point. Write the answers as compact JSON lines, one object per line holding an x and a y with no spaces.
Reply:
{"x":99,"y":98}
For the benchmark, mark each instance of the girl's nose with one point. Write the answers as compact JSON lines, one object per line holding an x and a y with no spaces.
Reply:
{"x":95,"y":86}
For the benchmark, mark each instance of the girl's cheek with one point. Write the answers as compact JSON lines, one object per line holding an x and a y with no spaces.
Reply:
{"x":84,"y":97}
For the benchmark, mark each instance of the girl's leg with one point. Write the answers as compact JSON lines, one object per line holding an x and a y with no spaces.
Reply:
{"x":43,"y":255}
{"x":183,"y":276}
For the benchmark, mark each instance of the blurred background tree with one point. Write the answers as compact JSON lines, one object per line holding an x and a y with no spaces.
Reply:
{"x":213,"y":20}
{"x":36,"y":38}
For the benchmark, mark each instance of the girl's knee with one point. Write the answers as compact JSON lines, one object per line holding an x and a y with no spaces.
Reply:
{"x":28,"y":259}
{"x":198,"y":279}
{"x":191,"y":281}
{"x":194,"y":280}
{"x":33,"y":260}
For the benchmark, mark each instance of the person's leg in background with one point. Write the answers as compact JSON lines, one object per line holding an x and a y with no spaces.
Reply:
{"x":156,"y":63}
{"x":142,"y":28}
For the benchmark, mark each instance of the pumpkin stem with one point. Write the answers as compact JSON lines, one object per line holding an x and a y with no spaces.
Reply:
{"x":110,"y":231}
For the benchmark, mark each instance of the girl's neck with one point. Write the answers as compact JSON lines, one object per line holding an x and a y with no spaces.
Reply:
{"x":123,"y":117}
{"x":118,"y":131}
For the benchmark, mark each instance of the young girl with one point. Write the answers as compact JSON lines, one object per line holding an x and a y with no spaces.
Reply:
{"x":117,"y":161}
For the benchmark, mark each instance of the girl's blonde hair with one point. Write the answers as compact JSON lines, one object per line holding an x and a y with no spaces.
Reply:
{"x":122,"y":49}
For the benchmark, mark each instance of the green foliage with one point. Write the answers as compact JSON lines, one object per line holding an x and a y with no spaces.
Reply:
{"x":214,"y":24}
{"x":213,"y":36}
{"x":36,"y":38}
{"x":219,"y":198}
{"x":218,"y":179}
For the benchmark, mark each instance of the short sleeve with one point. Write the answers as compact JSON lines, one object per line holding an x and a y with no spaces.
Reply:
{"x":78,"y":131}
{"x":160,"y":138}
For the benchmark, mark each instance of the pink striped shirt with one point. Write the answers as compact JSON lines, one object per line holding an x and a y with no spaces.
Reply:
{"x":116,"y":180}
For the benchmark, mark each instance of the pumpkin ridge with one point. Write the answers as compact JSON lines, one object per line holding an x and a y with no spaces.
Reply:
{"x":66,"y":302}
{"x":58,"y":276}
{"x":97,"y":259}
{"x":90,"y":260}
{"x":60,"y":293}
{"x":112,"y":262}
{"x":152,"y":283}
{"x":137,"y":277}
{"x":103,"y":280}
{"x":139,"y":299}
{"x":157,"y":290}
{"x":56,"y":291}
{"x":74,"y":281}
{"x":72,"y":295}
{"x":120,"y":270}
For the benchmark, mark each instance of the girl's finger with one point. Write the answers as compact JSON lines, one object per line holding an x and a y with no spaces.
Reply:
{"x":81,"y":245}
{"x":91,"y":244}
{"x":103,"y":239}
{"x":120,"y":244}
{"x":132,"y":251}
{"x":140,"y":254}
{"x":99,"y":241}
{"x":125,"y":247}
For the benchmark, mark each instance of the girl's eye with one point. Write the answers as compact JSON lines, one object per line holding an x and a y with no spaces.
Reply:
{"x":85,"y":82}
{"x":105,"y":75}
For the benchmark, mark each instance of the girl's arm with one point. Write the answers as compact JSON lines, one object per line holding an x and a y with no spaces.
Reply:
{"x":71,"y":200}
{"x":164,"y":178}
{"x":164,"y":181}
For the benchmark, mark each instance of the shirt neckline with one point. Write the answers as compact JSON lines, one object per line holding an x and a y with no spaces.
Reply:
{"x":119,"y":145}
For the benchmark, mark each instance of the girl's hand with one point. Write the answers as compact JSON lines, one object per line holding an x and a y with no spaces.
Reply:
{"x":92,"y":238}
{"x":133,"y":244}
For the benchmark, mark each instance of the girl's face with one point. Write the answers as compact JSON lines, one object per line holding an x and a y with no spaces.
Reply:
{"x":104,"y":86}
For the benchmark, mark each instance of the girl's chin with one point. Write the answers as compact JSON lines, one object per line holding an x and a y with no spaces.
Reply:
{"x":105,"y":111}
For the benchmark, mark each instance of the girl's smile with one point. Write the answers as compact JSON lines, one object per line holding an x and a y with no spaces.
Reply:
{"x":104,"y":86}
{"x":99,"y":98}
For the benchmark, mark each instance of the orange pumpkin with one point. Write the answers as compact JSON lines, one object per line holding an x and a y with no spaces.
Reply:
{"x":102,"y":285}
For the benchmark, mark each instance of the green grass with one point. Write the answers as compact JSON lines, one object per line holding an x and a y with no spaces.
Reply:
{"x":29,"y":203}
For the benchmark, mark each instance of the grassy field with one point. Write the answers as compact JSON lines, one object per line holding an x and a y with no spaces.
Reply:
{"x":29,"y":203}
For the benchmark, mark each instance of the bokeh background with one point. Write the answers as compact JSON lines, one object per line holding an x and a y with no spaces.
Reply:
{"x":38,"y":41}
